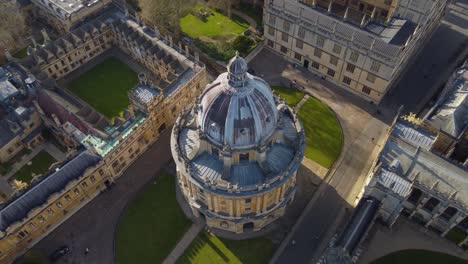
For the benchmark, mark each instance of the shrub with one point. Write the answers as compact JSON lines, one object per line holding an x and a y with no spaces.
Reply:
{"x":243,"y":44}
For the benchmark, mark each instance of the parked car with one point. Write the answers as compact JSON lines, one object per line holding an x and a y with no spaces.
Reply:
{"x":60,"y":252}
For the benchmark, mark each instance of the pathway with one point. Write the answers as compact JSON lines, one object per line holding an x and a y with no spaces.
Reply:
{"x":299,"y":105}
{"x":406,"y":235}
{"x":185,"y":242}
{"x":251,"y":21}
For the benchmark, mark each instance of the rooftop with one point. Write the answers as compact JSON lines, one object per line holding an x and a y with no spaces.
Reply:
{"x":412,"y":161}
{"x":65,"y":8}
{"x":450,"y":113}
{"x":385,"y":39}
{"x":7,"y":89}
{"x":39,"y":192}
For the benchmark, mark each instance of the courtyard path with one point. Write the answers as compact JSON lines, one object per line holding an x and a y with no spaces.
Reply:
{"x":185,"y":242}
{"x":251,"y":21}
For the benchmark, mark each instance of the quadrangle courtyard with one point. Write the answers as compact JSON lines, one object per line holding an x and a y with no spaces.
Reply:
{"x":105,"y":87}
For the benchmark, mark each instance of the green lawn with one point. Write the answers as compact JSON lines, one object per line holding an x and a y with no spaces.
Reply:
{"x":413,"y":256}
{"x":216,"y":34}
{"x":290,"y":95}
{"x":210,"y":249}
{"x":105,"y":87}
{"x":215,"y":25}
{"x":323,"y":132}
{"x":39,"y":165}
{"x":152,"y":224}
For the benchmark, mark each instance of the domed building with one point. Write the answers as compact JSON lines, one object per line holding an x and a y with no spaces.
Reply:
{"x":237,"y":152}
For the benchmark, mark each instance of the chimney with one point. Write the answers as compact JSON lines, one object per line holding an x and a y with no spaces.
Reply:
{"x":8,"y":55}
{"x":156,"y":31}
{"x":45,"y":35}
{"x":187,"y":51}
{"x":34,"y":42}
{"x":142,"y":78}
{"x":373,"y":13}
{"x":363,"y":21}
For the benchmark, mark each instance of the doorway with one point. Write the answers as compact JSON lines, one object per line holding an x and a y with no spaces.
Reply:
{"x":306,"y":64}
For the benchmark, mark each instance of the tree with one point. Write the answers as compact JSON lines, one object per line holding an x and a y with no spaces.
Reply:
{"x":13,"y":26}
{"x":165,"y":14}
{"x":225,"y":5}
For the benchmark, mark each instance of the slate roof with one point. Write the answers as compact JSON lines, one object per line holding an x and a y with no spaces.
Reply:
{"x":411,"y":160}
{"x":6,"y":134}
{"x":450,"y":113}
{"x":38,"y":194}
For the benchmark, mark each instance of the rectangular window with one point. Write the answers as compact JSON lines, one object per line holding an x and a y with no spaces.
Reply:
{"x":272,"y":19}
{"x":84,"y":184}
{"x":271,"y":31}
{"x":270,"y":43}
{"x":299,"y":44}
{"x":101,"y":172}
{"x":243,"y":157}
{"x":59,"y":204}
{"x":318,"y":53}
{"x":331,"y":73}
{"x":370,"y":77}
{"x":375,"y":66}
{"x":366,"y":89}
{"x":50,"y":211}
{"x":297,"y":56}
{"x":346,"y":80}
{"x":315,"y":65}
{"x":68,"y":198}
{"x":334,"y":60}
{"x":286,"y":25}
{"x":350,"y":68}
{"x":337,"y":48}
{"x":284,"y":37}
{"x":76,"y":191}
{"x":301,"y":32}
{"x":283,"y":49}
{"x":248,"y":200}
{"x":320,"y":41}
{"x":354,"y":56}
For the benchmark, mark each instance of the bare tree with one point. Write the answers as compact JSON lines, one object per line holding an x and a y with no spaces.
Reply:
{"x":13,"y":26}
{"x":165,"y":14}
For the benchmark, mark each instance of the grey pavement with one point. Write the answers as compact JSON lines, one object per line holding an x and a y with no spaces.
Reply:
{"x":94,"y":225}
{"x":406,"y":235}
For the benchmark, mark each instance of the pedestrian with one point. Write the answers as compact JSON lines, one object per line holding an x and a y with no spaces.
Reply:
{"x":86,"y":251}
{"x":293,"y":242}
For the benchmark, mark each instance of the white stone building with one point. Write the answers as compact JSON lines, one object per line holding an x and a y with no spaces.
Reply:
{"x":359,"y":46}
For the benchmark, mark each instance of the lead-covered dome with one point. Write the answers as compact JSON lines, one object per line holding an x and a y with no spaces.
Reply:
{"x":238,"y":109}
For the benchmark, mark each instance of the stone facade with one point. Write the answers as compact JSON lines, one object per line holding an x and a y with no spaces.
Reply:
{"x":237,"y":152}
{"x":362,"y":47}
{"x":176,"y":79}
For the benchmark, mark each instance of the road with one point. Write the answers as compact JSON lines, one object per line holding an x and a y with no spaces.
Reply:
{"x":94,"y":225}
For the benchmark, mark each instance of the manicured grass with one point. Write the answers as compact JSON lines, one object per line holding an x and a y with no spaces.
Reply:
{"x":213,"y":26}
{"x":152,"y":224}
{"x":413,"y":256}
{"x":39,"y":165}
{"x":323,"y":132}
{"x":208,"y":248}
{"x":456,"y":235}
{"x":290,"y":95}
{"x":105,"y":87}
